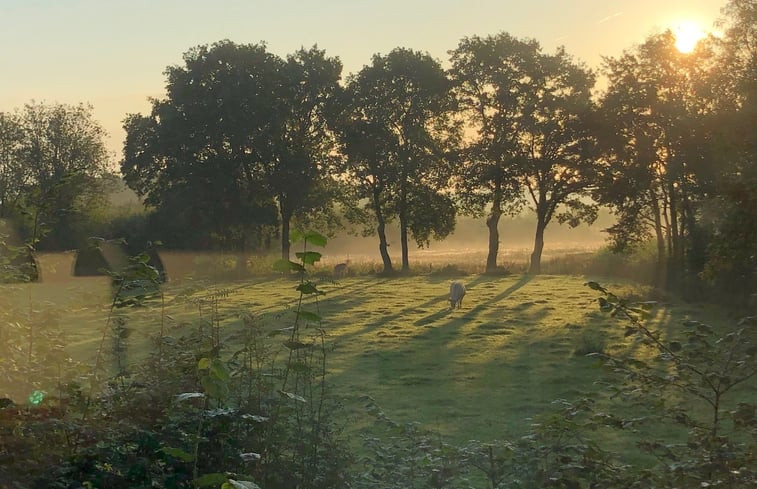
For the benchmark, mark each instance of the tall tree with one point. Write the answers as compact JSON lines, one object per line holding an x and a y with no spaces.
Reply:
{"x":403,"y":103}
{"x":303,"y":156}
{"x":656,"y":147}
{"x":732,"y":247}
{"x":488,"y":85}
{"x":368,"y":167}
{"x":59,"y":169}
{"x":13,"y":174}
{"x":242,"y":135}
{"x":532,"y":114}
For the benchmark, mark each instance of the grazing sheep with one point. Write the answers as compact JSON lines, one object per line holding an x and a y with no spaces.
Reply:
{"x":456,"y":294}
{"x":340,"y":270}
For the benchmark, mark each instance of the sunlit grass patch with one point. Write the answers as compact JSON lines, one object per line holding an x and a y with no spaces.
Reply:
{"x":518,"y":342}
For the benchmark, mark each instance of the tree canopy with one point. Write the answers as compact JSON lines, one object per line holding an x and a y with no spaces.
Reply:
{"x":402,"y":103}
{"x":53,"y":171}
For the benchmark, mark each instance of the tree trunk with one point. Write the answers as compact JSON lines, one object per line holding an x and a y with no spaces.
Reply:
{"x":675,"y":260}
{"x":492,"y":222}
{"x":541,"y":224}
{"x":403,"y":237}
{"x":380,"y":229}
{"x":659,"y":273}
{"x":286,"y":217}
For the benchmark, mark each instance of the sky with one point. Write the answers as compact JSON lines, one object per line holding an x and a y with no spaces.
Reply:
{"x":112,"y":54}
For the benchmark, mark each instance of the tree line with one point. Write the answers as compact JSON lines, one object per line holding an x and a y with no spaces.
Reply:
{"x":245,"y":144}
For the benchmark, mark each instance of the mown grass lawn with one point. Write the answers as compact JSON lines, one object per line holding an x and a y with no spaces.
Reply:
{"x":480,"y":372}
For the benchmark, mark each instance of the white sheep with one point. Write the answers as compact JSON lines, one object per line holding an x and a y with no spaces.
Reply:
{"x":456,"y":294}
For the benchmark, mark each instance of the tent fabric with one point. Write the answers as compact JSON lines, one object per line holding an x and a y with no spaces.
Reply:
{"x":98,"y":260}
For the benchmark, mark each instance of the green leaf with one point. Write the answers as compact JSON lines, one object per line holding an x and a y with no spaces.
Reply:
{"x":295,"y":236}
{"x":243,"y":484}
{"x":308,"y":257}
{"x":189,"y":395}
{"x":282,"y":265}
{"x":178,"y":453}
{"x":204,"y":363}
{"x":308,"y":316}
{"x":596,"y":286}
{"x":219,"y":370}
{"x":296,"y":345}
{"x":215,"y":387}
{"x":315,"y":238}
{"x":207,"y":480}
{"x":308,"y":288}
{"x":293,"y":396}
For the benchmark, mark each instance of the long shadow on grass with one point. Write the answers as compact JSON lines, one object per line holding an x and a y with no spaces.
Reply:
{"x":480,"y":307}
{"x":433,"y":373}
{"x":502,"y":295}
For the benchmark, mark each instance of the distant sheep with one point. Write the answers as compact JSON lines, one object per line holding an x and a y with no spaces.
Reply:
{"x":456,"y":294}
{"x":341,"y":269}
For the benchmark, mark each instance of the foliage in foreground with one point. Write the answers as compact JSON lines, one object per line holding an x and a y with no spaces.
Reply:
{"x":199,"y":413}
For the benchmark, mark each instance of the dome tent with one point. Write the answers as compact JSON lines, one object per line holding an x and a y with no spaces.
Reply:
{"x":100,"y":257}
{"x":17,"y":260}
{"x":104,"y":256}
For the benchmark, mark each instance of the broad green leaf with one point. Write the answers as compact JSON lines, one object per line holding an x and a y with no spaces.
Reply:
{"x":243,"y":484}
{"x":178,"y":453}
{"x":255,"y":417}
{"x":207,"y":480}
{"x":282,"y":265}
{"x":215,"y":387}
{"x":308,"y":288}
{"x":204,"y":363}
{"x":315,"y":238}
{"x":293,"y":396}
{"x":295,"y":236}
{"x":596,"y":286}
{"x":308,"y":257}
{"x":309,"y":316}
{"x":219,"y":370}
{"x":189,"y":395}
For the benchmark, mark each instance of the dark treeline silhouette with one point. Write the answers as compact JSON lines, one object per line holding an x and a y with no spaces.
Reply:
{"x":246,"y":144}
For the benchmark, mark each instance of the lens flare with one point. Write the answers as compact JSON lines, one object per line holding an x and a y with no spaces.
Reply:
{"x":36,"y":397}
{"x":687,"y":34}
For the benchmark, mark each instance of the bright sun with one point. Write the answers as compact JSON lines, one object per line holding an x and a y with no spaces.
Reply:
{"x":687,"y":35}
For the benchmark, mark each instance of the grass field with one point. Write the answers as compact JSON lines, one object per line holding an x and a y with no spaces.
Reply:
{"x":480,"y":372}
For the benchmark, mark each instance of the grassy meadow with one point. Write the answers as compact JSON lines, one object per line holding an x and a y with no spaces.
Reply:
{"x":479,"y":372}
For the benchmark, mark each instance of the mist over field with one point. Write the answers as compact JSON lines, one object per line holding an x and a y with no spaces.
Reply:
{"x":470,"y":240}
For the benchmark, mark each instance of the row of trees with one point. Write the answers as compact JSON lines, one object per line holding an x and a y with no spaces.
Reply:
{"x":243,"y":135}
{"x":245,"y":143}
